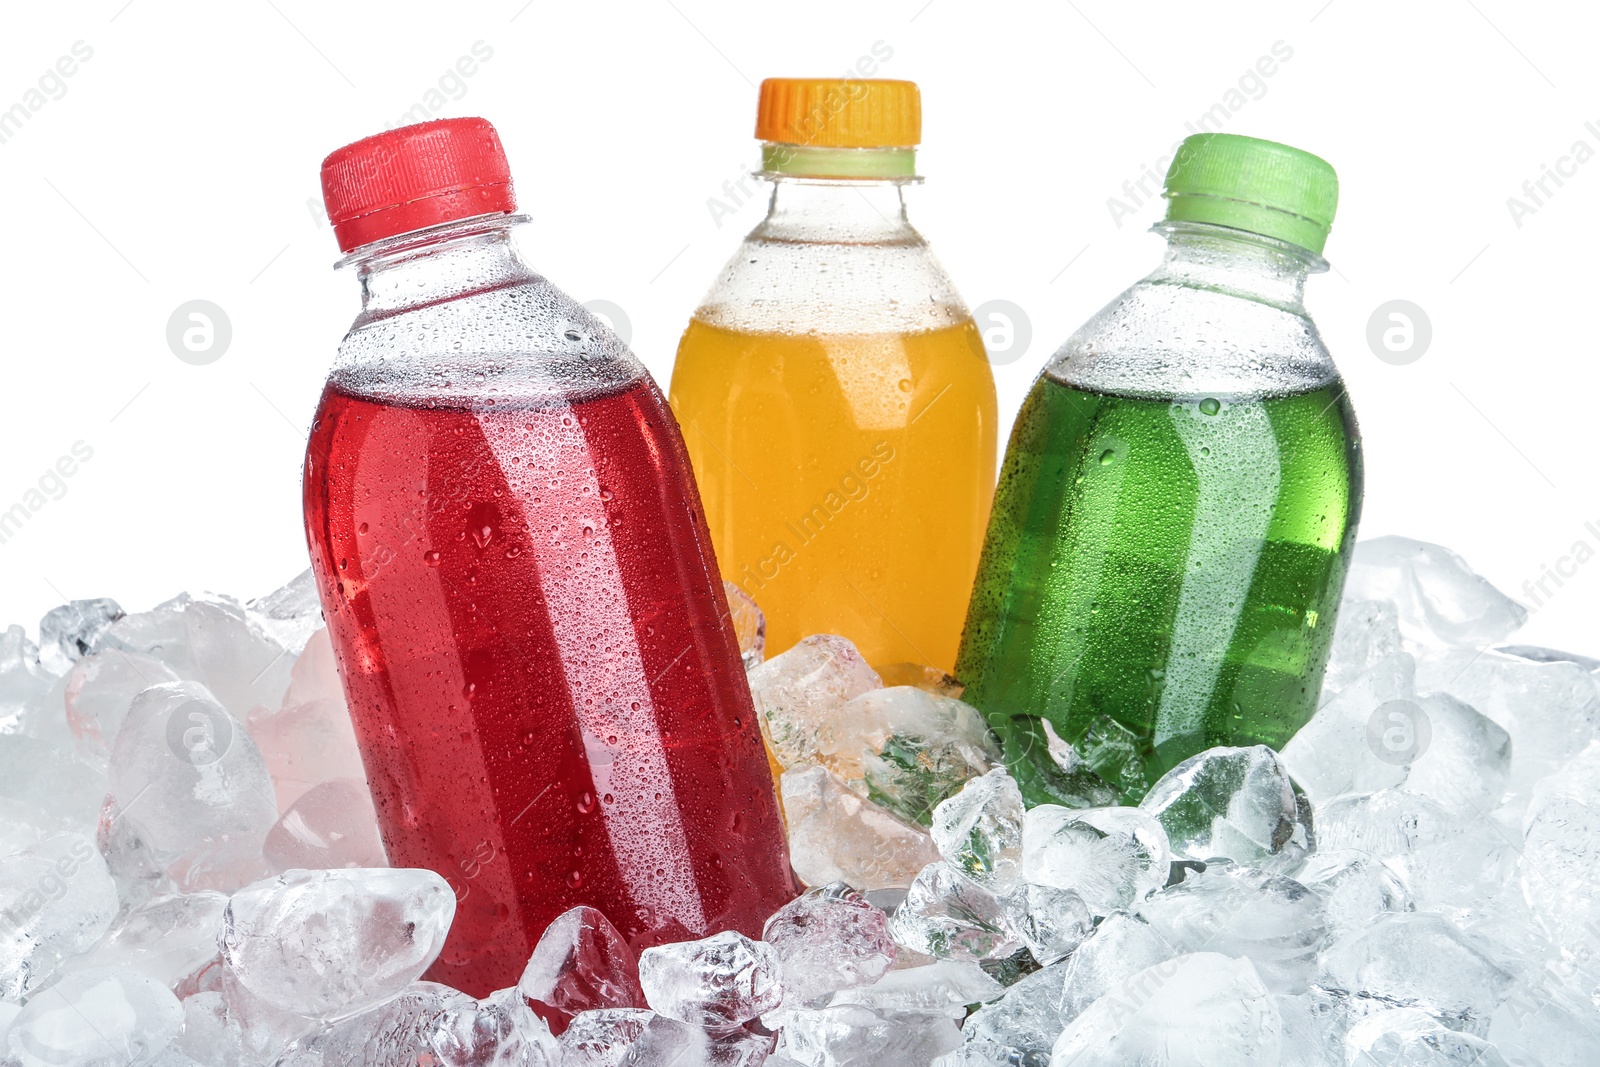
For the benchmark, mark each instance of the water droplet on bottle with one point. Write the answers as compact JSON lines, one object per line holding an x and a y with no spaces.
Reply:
{"x":362,"y":528}
{"x":1108,"y":457}
{"x":574,"y":879}
{"x":482,"y":535}
{"x":469,"y":689}
{"x":1210,"y":406}
{"x":905,"y":385}
{"x":431,"y":557}
{"x":586,"y":803}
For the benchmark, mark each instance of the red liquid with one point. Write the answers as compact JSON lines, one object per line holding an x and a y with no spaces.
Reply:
{"x":535,"y":647}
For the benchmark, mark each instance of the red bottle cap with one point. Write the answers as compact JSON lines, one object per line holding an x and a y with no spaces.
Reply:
{"x":414,"y":177}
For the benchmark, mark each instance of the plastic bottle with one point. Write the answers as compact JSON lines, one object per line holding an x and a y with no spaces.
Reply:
{"x":518,"y":582}
{"x":834,"y":393}
{"x":1179,"y":497}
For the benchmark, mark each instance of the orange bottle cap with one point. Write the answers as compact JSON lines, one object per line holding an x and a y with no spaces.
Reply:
{"x":840,"y":112}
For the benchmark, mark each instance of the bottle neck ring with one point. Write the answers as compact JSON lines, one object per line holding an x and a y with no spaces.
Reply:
{"x":843,"y":164}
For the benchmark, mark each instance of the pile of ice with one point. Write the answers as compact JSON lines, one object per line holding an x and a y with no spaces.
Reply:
{"x":190,"y":871}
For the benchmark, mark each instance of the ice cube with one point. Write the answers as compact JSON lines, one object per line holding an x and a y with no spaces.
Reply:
{"x":1412,"y":1038}
{"x":290,"y":614}
{"x":1368,"y":632}
{"x":1550,"y":710}
{"x":719,"y":981}
{"x":1417,"y":960}
{"x":159,"y":633}
{"x":315,"y":673}
{"x":1439,"y":598}
{"x":1236,"y":803}
{"x":835,"y":835}
{"x":1337,"y":752}
{"x":1111,"y":857}
{"x":305,"y":745}
{"x":235,"y":1022}
{"x":582,"y":963}
{"x":73,"y":630}
{"x":1546,"y":1021}
{"x":949,"y":916}
{"x":168,"y":937}
{"x":943,"y":987}
{"x":24,"y":684}
{"x":921,"y":676}
{"x":100,"y":689}
{"x":188,"y":776}
{"x":981,"y":1053}
{"x":95,"y":1018}
{"x":1122,"y":946}
{"x":829,"y":939}
{"x":56,"y":899}
{"x":749,"y":625}
{"x":1025,"y":1022}
{"x":1314,"y":1026}
{"x":1464,"y":762}
{"x":601,"y":1037}
{"x":234,"y":656}
{"x":331,"y":825}
{"x":61,"y":791}
{"x":1051,"y":922}
{"x":851,"y":1035}
{"x":433,"y":1024}
{"x":913,"y":748}
{"x":1192,"y":1011}
{"x":1439,"y":856}
{"x":331,"y":944}
{"x":1560,"y":861}
{"x":799,"y":694}
{"x":1272,"y":920}
{"x":979,"y":829}
{"x":1355,"y":889}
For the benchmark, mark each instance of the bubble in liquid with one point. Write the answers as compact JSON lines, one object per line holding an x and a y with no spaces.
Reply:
{"x":1210,"y":406}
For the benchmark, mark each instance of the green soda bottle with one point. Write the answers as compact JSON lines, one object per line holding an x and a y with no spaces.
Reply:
{"x":1178,"y":500}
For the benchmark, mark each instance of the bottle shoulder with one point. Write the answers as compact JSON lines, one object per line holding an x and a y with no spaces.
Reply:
{"x":775,"y":283}
{"x":521,"y":340}
{"x":1171,"y":340}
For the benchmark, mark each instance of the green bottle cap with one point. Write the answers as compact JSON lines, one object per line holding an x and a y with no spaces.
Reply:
{"x":1249,"y":184}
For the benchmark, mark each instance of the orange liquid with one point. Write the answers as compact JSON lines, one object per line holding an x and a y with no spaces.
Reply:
{"x":847,"y":478}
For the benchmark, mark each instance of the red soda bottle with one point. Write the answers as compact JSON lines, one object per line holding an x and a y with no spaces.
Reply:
{"x":518,"y":581}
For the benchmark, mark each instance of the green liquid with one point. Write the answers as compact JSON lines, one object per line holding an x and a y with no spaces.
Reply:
{"x":1159,"y":577}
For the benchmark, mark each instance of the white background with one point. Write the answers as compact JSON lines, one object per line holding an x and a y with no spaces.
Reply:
{"x":180,"y":162}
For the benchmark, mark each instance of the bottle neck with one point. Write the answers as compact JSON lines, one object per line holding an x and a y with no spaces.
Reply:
{"x":837,"y":211}
{"x":439,"y":263}
{"x":1217,"y":258}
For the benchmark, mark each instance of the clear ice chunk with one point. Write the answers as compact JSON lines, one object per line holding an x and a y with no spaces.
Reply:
{"x":749,"y":625}
{"x":100,"y":689}
{"x":829,"y":938}
{"x":949,"y":916}
{"x":1340,"y":751}
{"x":1368,"y":632}
{"x":1111,"y":857}
{"x":56,"y":900}
{"x":434,"y":1025}
{"x":601,"y":1037}
{"x":290,"y":614}
{"x":331,"y":944}
{"x":25,"y":686}
{"x":1268,"y":918}
{"x":1025,"y":1022}
{"x":1407,"y":1037}
{"x":582,"y":963}
{"x":167,"y":937}
{"x":57,"y":790}
{"x":1559,"y":867}
{"x":1355,"y":889}
{"x":1440,"y":856}
{"x":1237,"y":803}
{"x":306,"y":745}
{"x":331,"y":825}
{"x":838,"y":836}
{"x":799,"y":695}
{"x":188,"y":776}
{"x":95,"y":1018}
{"x":1417,"y":960}
{"x":719,"y":982}
{"x":1440,"y":600}
{"x":943,"y":987}
{"x":1122,"y":946}
{"x":1464,"y":759}
{"x":1051,"y":922}
{"x":852,"y":1035}
{"x":1193,"y":1011}
{"x":979,"y":829}
{"x":913,"y":748}
{"x":72,"y":631}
